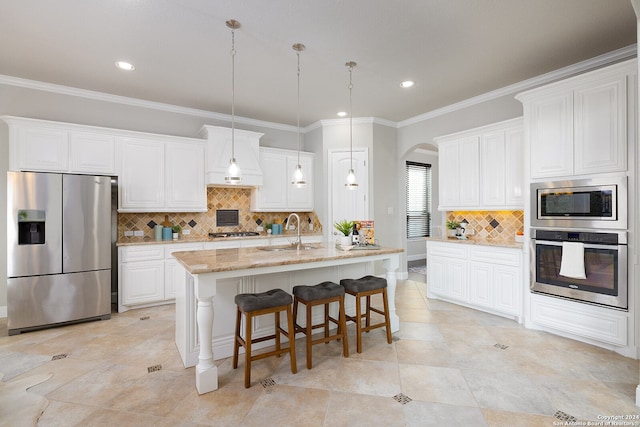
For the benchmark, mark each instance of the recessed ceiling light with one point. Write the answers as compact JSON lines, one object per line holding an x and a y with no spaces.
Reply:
{"x":125,"y":66}
{"x":342,"y":113}
{"x":407,"y":83}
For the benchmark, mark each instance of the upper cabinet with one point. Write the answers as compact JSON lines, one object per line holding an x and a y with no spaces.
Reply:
{"x":44,"y":146}
{"x":219,"y":152}
{"x":579,"y":126}
{"x":157,"y":173}
{"x":162,"y":174}
{"x":481,"y":168}
{"x":277,"y":194}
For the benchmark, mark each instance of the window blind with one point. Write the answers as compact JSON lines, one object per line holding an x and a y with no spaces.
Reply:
{"x":418,"y":188}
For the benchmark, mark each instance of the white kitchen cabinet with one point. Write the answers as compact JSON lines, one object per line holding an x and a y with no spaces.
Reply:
{"x":481,"y":168}
{"x":579,"y":126}
{"x":144,"y":282}
{"x":514,"y":164}
{"x":92,"y":153}
{"x":447,"y":270}
{"x":140,"y":275}
{"x":449,"y":178}
{"x":218,"y":153}
{"x":469,"y":171}
{"x":149,"y":275}
{"x":460,"y":163}
{"x":184,"y":177}
{"x":487,"y":278}
{"x":277,"y":194}
{"x":272,"y":195}
{"x":493,"y":169}
{"x":502,"y":167}
{"x":600,"y":137}
{"x":45,"y":146}
{"x":162,"y":175}
{"x":550,"y":125}
{"x":141,"y":185}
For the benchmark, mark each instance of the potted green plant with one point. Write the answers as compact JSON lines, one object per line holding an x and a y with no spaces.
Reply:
{"x":176,"y":231}
{"x":452,"y":226}
{"x":268,"y":226}
{"x":344,"y":227}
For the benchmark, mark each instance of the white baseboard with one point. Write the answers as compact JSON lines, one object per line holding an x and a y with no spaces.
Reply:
{"x":417,"y":257}
{"x":3,"y":311}
{"x":402,"y":275}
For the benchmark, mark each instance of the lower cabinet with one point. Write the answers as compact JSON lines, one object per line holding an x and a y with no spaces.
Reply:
{"x":487,"y":278}
{"x":149,"y":275}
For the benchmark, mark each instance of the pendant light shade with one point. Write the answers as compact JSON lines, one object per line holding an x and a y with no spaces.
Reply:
{"x":351,"y":183}
{"x":297,"y":179}
{"x":234,"y":175}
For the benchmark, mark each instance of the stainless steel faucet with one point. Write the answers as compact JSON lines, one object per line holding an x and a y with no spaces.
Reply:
{"x":298,"y":242}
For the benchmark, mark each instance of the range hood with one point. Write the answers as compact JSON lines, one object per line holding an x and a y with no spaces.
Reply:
{"x":247,"y":154}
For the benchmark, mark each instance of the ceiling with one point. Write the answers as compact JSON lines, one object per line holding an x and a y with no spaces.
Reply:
{"x":452,"y":49}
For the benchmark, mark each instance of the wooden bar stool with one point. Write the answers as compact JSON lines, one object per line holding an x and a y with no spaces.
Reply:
{"x":322,"y":294}
{"x":366,"y":287}
{"x":252,"y":305}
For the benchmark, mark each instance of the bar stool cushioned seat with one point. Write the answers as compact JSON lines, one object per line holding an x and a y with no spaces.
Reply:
{"x":273,"y":301}
{"x":366,"y":287}
{"x":321,"y":294}
{"x":269,"y":299}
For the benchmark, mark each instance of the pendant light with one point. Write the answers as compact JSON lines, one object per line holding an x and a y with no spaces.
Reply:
{"x":234,"y":176}
{"x":351,"y":183}
{"x":298,"y":180}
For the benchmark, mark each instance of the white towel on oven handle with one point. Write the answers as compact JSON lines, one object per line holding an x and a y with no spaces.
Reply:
{"x":572,"y":263}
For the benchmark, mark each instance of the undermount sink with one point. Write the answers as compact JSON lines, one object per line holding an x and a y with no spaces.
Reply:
{"x":285,"y":248}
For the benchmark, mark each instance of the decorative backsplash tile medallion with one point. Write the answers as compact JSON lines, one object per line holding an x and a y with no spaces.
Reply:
{"x":202,"y":223}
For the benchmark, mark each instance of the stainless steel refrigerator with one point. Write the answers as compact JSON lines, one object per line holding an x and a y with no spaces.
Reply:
{"x":59,"y":249}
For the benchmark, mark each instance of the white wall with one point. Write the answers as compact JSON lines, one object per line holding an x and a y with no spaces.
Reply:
{"x":385,"y":194}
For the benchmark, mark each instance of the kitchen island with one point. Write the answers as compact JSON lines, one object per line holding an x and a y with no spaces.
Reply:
{"x":223,"y":273}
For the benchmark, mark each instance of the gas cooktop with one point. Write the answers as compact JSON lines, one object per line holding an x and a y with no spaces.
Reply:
{"x":234,"y":234}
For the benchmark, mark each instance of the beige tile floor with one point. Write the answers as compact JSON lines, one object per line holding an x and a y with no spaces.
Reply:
{"x":442,"y":369}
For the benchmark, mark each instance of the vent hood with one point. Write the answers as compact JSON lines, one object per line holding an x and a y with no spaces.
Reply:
{"x":247,"y":154}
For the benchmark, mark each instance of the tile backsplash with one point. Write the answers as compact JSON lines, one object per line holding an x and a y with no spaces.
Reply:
{"x":496,"y":225}
{"x":202,"y":223}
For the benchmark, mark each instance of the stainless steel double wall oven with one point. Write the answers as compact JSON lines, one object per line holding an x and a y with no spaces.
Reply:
{"x":591,"y":213}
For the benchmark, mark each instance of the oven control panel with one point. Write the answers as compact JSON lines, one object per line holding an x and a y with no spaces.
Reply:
{"x":614,"y":238}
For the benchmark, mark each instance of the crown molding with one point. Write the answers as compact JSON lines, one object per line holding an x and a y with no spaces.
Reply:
{"x":609,"y":58}
{"x":135,"y":102}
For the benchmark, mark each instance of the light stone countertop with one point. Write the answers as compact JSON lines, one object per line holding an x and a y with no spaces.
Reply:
{"x":503,"y":243}
{"x":217,"y":260}
{"x":133,"y":241}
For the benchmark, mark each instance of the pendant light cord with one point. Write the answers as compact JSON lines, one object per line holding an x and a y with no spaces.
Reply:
{"x":350,"y":119}
{"x":298,"y":54}
{"x":233,"y":93}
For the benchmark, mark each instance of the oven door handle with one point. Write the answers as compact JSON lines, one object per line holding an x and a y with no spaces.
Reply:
{"x":586,"y":245}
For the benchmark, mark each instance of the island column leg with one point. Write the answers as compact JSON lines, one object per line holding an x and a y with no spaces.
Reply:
{"x":206,"y":370}
{"x":391,"y":265}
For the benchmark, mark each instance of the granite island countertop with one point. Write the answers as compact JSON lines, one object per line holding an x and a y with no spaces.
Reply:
{"x":218,"y":260}
{"x":503,"y":243}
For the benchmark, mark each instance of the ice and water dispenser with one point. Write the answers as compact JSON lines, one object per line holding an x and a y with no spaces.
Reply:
{"x":31,"y":226}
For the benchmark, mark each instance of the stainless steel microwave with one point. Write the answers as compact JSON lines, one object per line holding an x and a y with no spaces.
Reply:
{"x":580,"y":203}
